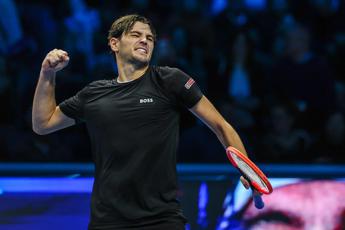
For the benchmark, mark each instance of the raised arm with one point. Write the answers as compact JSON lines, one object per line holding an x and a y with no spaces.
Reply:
{"x":46,"y":116}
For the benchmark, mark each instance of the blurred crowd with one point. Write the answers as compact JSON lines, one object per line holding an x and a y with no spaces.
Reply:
{"x":273,"y":68}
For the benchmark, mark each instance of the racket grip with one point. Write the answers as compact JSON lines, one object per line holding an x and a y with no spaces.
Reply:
{"x":258,"y":202}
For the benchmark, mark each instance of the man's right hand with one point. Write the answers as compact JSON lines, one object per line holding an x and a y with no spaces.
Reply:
{"x":46,"y":116}
{"x":55,"y":60}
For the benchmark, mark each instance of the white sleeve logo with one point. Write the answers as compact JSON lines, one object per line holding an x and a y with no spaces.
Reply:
{"x":189,"y":83}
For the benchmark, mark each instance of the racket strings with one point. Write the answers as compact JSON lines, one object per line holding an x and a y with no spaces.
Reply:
{"x":249,"y":172}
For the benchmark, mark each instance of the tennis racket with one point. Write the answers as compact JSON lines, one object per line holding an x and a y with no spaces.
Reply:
{"x":256,"y":178}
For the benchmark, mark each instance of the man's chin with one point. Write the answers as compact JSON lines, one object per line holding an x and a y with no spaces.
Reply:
{"x":139,"y":61}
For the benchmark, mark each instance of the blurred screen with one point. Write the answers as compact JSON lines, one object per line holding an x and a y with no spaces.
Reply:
{"x":296,"y":204}
{"x":210,"y":195}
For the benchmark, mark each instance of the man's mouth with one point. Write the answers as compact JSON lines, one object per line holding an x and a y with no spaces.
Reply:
{"x":142,"y":50}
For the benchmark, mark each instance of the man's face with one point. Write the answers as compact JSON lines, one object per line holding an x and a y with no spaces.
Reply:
{"x":136,"y":46}
{"x":304,"y":206}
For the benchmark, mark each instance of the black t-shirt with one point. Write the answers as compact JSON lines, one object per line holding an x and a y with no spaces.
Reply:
{"x":134,"y":128}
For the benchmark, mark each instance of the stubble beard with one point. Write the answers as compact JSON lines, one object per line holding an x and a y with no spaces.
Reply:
{"x":139,"y":62}
{"x":133,"y":59}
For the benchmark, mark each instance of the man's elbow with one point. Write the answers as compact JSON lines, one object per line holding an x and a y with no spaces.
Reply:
{"x":222,"y":127}
{"x":40,"y":130}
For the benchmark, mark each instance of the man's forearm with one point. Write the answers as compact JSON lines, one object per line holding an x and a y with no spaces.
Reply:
{"x":229,"y":137}
{"x":44,"y":103}
{"x":226,"y":134}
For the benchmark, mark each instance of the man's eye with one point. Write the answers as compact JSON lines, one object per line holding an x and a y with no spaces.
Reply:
{"x":135,"y":35}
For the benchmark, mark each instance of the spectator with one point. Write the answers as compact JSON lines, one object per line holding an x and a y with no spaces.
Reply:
{"x":283,"y":142}
{"x":303,"y":77}
{"x":81,"y":26}
{"x":229,"y":50}
{"x":10,"y":26}
{"x":330,"y":146}
{"x":240,"y":87}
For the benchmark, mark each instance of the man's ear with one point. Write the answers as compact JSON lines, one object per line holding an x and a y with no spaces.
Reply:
{"x":114,"y":44}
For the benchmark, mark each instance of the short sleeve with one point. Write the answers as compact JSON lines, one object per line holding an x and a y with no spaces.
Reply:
{"x":73,"y":107}
{"x":183,"y":88}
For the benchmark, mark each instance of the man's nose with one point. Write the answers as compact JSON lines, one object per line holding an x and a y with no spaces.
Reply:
{"x":143,"y":40}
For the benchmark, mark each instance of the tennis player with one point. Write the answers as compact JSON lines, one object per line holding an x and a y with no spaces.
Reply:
{"x":133,"y":124}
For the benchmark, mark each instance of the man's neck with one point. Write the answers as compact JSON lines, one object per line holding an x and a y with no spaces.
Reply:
{"x":129,"y":72}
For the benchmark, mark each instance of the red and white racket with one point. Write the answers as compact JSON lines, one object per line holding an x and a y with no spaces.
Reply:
{"x":257,"y":179}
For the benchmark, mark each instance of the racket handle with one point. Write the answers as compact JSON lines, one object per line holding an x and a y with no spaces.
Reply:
{"x":258,"y":202}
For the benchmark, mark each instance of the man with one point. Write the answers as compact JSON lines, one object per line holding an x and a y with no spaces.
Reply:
{"x":133,"y":125}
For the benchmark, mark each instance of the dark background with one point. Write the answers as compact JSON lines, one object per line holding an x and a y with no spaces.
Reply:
{"x":273,"y":68}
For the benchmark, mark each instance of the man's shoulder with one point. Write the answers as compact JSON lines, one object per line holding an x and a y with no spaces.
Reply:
{"x":99,"y":84}
{"x":95,"y":87}
{"x":167,"y":71}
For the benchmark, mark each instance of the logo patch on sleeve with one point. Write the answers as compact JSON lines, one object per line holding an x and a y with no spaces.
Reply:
{"x":189,"y":83}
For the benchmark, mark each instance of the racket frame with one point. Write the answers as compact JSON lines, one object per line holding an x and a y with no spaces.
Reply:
{"x":256,"y":169}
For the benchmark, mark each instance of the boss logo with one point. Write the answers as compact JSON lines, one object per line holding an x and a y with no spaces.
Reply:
{"x":146,"y":100}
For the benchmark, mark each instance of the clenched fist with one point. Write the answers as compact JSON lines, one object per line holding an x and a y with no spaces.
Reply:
{"x":55,"y":60}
